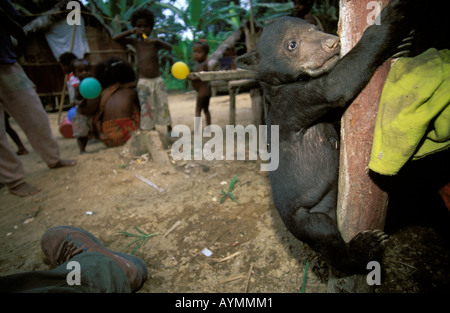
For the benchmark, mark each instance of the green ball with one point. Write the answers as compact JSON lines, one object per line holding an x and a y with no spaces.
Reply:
{"x":90,"y":88}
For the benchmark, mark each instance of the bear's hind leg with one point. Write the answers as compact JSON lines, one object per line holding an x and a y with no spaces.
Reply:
{"x":321,"y":233}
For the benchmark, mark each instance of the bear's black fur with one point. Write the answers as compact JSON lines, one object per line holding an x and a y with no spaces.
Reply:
{"x":305,"y":85}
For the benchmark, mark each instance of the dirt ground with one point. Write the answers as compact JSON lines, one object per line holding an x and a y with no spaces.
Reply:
{"x":251,"y":249}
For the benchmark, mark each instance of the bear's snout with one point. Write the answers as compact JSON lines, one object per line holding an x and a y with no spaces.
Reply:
{"x":331,"y":44}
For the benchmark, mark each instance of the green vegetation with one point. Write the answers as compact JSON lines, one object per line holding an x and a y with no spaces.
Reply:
{"x":210,"y":20}
{"x":230,"y":188}
{"x":141,"y":238}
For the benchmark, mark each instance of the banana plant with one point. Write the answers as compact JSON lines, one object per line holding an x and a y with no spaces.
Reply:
{"x":200,"y":14}
{"x":273,"y":10}
{"x":115,"y":14}
{"x":183,"y":50}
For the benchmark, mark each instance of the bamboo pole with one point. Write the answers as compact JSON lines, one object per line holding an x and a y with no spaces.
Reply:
{"x":252,"y":29}
{"x":66,"y":76}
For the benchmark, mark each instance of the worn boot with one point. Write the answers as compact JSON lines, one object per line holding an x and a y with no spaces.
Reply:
{"x":62,"y":243}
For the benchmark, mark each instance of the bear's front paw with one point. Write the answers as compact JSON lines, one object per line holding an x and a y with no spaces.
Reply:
{"x":367,"y":246}
{"x":404,"y":48}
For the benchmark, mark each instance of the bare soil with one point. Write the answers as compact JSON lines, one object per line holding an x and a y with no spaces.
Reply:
{"x":251,"y":249}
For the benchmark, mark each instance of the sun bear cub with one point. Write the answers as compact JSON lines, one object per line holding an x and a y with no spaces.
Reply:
{"x":306,"y":87}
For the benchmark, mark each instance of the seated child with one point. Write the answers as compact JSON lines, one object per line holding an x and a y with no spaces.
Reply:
{"x":201,"y":50}
{"x":119,"y":112}
{"x":83,"y":120}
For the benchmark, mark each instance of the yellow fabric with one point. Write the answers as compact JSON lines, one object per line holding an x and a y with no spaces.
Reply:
{"x":414,"y":115}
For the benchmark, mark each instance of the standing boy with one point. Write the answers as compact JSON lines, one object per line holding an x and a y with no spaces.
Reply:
{"x":201,"y":51}
{"x":151,"y":88}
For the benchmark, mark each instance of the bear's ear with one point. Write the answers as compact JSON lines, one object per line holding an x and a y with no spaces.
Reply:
{"x":248,"y":61}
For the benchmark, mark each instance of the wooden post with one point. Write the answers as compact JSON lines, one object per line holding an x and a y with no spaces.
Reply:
{"x":61,"y":102}
{"x":361,"y":203}
{"x":252,"y":40}
{"x":232,"y":93}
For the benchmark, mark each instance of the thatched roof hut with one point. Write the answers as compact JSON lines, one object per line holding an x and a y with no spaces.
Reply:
{"x":40,"y":57}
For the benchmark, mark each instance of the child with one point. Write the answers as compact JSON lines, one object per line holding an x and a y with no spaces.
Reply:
{"x":83,"y":120}
{"x":66,"y":60}
{"x":201,"y":50}
{"x":119,"y":111}
{"x":151,"y":88}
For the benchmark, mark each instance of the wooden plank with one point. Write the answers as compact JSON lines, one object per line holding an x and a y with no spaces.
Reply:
{"x":224,"y":75}
{"x":243,"y":83}
{"x":106,"y":51}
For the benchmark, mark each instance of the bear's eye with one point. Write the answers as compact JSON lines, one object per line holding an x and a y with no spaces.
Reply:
{"x":292,"y":45}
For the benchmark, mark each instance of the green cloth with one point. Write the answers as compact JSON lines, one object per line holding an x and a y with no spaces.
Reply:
{"x":413,"y":119}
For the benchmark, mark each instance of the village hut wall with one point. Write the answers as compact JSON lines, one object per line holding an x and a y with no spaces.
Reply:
{"x":41,"y":65}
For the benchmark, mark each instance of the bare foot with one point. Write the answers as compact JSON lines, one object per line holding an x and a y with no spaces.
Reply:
{"x":22,"y":151}
{"x":24,"y":190}
{"x":63,"y":163}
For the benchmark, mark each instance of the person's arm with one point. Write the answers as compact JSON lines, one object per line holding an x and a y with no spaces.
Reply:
{"x":159,"y":43}
{"x":78,"y":100}
{"x":98,"y":126}
{"x":203,"y":67}
{"x":136,"y":101}
{"x":124,"y":37}
{"x":165,"y":45}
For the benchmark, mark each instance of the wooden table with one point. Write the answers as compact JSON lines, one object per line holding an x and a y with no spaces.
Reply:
{"x":235,"y":80}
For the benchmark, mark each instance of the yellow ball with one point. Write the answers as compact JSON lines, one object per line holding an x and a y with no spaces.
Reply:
{"x":180,"y":70}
